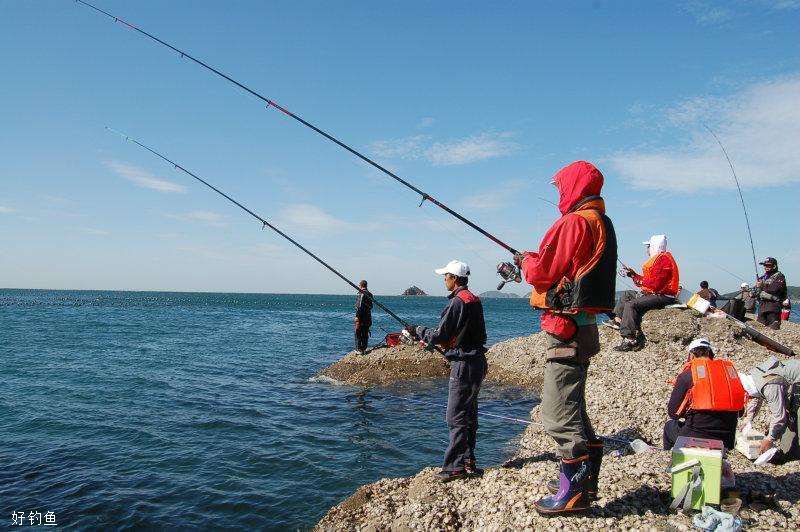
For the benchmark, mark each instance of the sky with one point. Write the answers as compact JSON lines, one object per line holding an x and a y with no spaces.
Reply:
{"x":477,"y":104}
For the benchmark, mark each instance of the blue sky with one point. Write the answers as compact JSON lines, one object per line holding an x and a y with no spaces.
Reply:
{"x":477,"y":104}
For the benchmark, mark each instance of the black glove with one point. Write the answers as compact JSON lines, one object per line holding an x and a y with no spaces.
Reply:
{"x":518,"y":258}
{"x":412,"y":330}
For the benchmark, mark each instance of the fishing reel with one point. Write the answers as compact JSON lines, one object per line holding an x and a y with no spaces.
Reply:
{"x":508,"y":272}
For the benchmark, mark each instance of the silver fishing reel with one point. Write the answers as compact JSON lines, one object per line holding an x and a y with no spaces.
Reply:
{"x":508,"y":272}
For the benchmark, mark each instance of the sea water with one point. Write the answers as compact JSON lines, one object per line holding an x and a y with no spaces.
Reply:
{"x":195,"y":410}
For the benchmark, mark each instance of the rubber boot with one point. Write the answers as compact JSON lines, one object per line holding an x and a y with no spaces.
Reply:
{"x":572,"y":495}
{"x":595,"y":459}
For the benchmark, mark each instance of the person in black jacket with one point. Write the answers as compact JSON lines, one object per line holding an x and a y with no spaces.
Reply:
{"x":363,"y":317}
{"x":770,"y":291}
{"x":697,"y":424}
{"x":461,"y":333}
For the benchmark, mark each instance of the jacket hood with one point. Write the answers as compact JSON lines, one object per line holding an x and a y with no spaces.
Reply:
{"x":576,"y":182}
{"x":658,"y":244}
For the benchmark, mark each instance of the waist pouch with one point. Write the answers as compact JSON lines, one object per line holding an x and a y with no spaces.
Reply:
{"x":584,"y":345}
{"x":563,"y":328}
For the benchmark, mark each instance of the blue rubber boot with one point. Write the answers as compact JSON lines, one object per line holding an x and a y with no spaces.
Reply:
{"x":573,"y":492}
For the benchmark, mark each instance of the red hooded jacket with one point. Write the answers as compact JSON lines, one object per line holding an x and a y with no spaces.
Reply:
{"x":568,"y":244}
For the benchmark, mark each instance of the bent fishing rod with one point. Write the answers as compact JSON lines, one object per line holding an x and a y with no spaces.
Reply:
{"x":741,"y":197}
{"x":272,"y":103}
{"x":264,"y":222}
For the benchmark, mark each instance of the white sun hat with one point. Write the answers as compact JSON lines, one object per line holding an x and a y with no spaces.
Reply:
{"x":454,"y":267}
{"x":700,"y":342}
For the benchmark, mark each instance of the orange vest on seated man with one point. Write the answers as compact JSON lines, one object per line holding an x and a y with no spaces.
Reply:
{"x":715,"y":387}
{"x":660,"y":273}
{"x":575,"y":267}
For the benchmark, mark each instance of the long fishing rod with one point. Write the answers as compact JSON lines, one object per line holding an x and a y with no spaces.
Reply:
{"x":741,"y":197}
{"x":264,"y":222}
{"x":271,"y":103}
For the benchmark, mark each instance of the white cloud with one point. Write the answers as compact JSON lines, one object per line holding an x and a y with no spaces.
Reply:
{"x":706,"y":13}
{"x":7,"y":210}
{"x":310,"y":218}
{"x":466,"y":150}
{"x":143,"y":178}
{"x":93,"y":232}
{"x":406,"y":148}
{"x":426,"y":122}
{"x":210,"y":219}
{"x":471,"y":149}
{"x":498,"y":197}
{"x":759,"y":127}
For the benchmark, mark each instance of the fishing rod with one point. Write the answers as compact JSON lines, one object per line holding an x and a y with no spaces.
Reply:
{"x":741,"y":197}
{"x":272,"y":103}
{"x":264,"y":223}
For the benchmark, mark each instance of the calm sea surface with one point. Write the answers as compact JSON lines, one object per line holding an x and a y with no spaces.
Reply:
{"x":195,"y":410}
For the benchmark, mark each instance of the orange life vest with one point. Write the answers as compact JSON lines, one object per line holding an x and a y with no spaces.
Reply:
{"x":593,"y":288}
{"x":674,"y":282}
{"x":715,"y":387}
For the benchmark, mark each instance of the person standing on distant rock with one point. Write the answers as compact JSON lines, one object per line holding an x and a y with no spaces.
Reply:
{"x":707,"y":395}
{"x":659,"y":283}
{"x":573,"y":277}
{"x":462,"y":334}
{"x":363,"y":319}
{"x":770,"y":291}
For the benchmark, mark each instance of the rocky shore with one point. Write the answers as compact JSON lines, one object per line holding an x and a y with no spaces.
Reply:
{"x":626,"y":397}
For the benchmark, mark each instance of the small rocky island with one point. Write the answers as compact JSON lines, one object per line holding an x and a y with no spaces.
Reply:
{"x":414,"y":290}
{"x":626,"y":398}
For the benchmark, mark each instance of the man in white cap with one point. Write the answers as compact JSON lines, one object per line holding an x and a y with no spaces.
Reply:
{"x":461,"y":333}
{"x":708,"y":400}
{"x":776,"y":382}
{"x":746,"y":295}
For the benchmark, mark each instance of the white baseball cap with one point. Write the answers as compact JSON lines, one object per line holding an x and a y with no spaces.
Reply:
{"x":454,"y":267}
{"x":744,"y":285}
{"x":699,"y":342}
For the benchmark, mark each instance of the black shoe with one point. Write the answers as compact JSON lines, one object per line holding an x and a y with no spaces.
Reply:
{"x":473,"y":470}
{"x":626,"y":345}
{"x":447,"y":476}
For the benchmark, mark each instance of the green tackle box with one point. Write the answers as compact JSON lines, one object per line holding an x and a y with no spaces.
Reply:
{"x":697,"y":462}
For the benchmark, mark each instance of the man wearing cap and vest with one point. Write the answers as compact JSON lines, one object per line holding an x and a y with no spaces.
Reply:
{"x":776,"y":382}
{"x":659,"y":283}
{"x":770,"y":291}
{"x":461,"y":333}
{"x":707,"y":395}
{"x":573,"y":277}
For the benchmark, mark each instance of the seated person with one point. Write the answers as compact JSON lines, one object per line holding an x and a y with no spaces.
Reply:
{"x":709,"y":294}
{"x":659,"y":283}
{"x":708,"y":396}
{"x":777,"y":383}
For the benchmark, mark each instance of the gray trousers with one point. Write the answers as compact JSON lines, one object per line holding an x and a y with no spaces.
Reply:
{"x":563,"y":405}
{"x":466,"y":377}
{"x":632,"y":307}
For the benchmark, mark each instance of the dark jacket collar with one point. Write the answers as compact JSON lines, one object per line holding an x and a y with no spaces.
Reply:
{"x":456,"y":291}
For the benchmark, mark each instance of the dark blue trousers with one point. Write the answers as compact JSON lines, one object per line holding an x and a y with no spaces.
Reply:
{"x":466,"y":377}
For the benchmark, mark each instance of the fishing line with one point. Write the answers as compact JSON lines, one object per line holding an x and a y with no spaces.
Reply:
{"x":487,"y":414}
{"x":271,"y":103}
{"x":741,"y":197}
{"x":264,"y":223}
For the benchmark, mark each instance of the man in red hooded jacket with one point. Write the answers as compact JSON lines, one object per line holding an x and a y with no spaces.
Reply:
{"x":573,"y":277}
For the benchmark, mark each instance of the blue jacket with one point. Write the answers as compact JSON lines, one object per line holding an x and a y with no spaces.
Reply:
{"x":461,"y":330}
